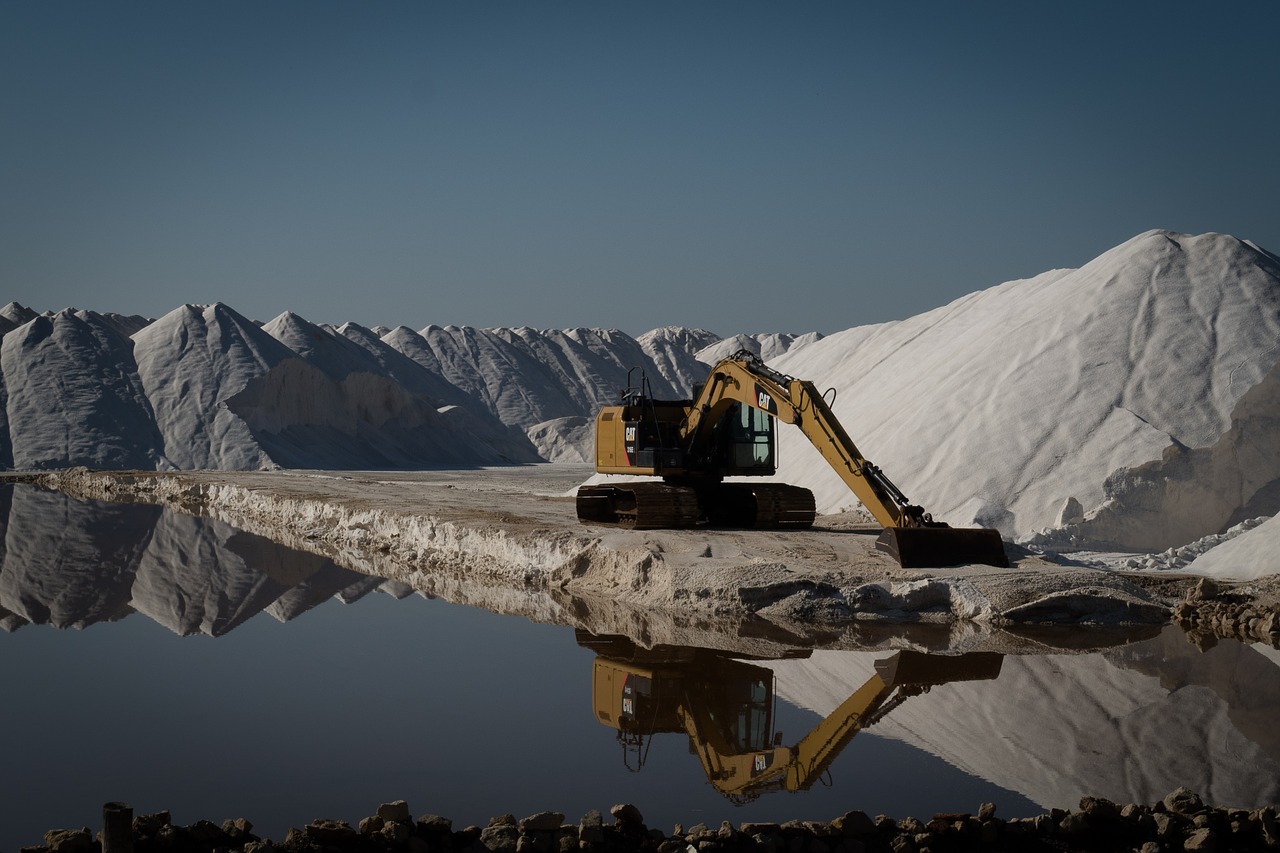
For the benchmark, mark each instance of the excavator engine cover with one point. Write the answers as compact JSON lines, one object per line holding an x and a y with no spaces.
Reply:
{"x":938,"y":547}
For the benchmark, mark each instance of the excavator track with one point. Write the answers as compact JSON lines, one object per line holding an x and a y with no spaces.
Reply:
{"x":639,"y":506}
{"x":661,"y":506}
{"x":763,"y":506}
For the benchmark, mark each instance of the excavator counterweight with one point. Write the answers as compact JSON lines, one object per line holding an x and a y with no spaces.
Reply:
{"x":727,"y":431}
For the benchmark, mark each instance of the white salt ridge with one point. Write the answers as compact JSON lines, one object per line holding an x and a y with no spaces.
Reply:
{"x":673,"y":351}
{"x":14,"y":315}
{"x":203,"y":387}
{"x":768,"y":345}
{"x":568,"y":440}
{"x":534,"y":379}
{"x":368,"y":410}
{"x":322,"y":348}
{"x":387,"y":359}
{"x":1142,"y":385}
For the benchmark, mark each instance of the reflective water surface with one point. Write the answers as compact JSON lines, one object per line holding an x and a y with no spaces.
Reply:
{"x":217,"y":674}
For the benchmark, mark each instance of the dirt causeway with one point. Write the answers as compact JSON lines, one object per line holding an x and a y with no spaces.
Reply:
{"x":508,"y":539}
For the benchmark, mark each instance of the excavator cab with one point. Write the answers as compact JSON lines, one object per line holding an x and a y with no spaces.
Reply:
{"x":748,"y":445}
{"x":642,"y":437}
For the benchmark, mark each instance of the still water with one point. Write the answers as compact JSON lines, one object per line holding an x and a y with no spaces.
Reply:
{"x":177,"y":663}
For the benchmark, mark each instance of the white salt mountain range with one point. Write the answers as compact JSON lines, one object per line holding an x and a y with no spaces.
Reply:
{"x":204,"y":387}
{"x":1131,"y":404}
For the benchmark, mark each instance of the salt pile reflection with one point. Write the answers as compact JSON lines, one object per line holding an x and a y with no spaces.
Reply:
{"x":72,"y":564}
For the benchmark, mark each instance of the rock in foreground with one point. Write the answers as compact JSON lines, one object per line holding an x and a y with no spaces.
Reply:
{"x":1181,"y":821}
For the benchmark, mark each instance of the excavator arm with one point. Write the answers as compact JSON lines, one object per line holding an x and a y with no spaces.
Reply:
{"x":910,"y":534}
{"x":745,"y":379}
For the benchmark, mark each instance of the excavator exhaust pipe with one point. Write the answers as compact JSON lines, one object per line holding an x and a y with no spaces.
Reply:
{"x":939,"y":547}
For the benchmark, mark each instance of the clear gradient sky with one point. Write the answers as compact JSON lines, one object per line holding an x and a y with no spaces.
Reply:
{"x":740,"y":166}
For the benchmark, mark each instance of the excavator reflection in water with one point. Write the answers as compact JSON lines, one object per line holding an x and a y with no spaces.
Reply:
{"x":726,"y":707}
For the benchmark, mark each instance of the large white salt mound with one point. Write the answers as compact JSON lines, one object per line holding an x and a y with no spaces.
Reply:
{"x":1251,"y":555}
{"x":1001,"y":407}
{"x":74,"y":395}
{"x":404,"y":370}
{"x":565,"y":439}
{"x":322,"y":348}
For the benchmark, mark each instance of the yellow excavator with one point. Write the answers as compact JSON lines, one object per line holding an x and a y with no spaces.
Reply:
{"x":727,"y":430}
{"x":726,"y":707}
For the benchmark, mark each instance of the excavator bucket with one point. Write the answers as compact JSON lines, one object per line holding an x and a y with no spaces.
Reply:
{"x":938,"y":547}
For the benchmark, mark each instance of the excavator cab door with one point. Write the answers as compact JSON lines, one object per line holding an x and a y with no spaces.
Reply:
{"x":750,"y":445}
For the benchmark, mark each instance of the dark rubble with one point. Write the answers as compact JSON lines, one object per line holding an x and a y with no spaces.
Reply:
{"x":1180,"y":822}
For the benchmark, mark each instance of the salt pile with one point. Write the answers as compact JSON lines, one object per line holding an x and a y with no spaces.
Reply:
{"x":204,"y":387}
{"x":190,"y":361}
{"x":527,"y":377}
{"x":1253,"y":554}
{"x":1132,"y":404}
{"x":99,"y":416}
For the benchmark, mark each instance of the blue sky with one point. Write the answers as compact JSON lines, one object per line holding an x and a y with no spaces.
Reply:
{"x":739,"y":166}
